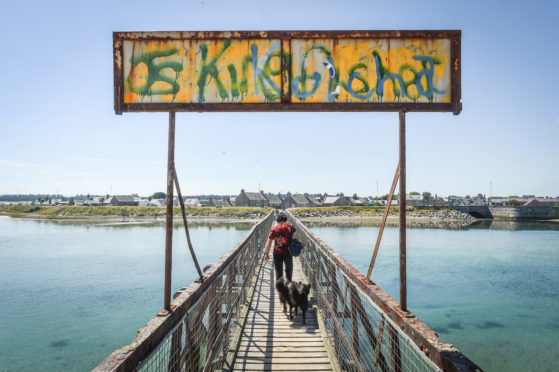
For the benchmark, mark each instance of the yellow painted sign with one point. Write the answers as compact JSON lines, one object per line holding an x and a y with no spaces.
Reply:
{"x":166,"y":70}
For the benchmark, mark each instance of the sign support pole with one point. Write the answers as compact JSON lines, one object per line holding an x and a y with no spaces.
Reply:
{"x":402,"y":212}
{"x":169,"y":216}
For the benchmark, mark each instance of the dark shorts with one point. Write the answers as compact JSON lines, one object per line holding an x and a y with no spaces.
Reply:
{"x":279,"y":259}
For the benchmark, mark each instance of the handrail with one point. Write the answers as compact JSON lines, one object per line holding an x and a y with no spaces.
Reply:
{"x":356,"y":313}
{"x":365,"y":328}
{"x":204,"y":320}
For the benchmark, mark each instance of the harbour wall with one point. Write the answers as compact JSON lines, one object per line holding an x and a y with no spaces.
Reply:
{"x":525,"y":213}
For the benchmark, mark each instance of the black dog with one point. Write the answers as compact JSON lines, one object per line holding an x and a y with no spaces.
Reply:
{"x":296,"y":294}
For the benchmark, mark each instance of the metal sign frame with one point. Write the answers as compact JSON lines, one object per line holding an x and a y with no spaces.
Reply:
{"x":285,"y":103}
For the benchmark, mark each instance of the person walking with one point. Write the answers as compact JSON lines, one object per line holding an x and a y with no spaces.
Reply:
{"x":281,"y":235}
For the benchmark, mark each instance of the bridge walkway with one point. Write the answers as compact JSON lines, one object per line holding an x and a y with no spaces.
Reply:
{"x":271,"y":341}
{"x":233,"y":320}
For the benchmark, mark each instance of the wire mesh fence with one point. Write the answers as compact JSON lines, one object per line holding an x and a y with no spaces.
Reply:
{"x":364,"y":331}
{"x":204,"y":338}
{"x":360,"y":335}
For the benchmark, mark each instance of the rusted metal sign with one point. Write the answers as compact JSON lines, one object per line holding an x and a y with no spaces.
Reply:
{"x":287,"y":71}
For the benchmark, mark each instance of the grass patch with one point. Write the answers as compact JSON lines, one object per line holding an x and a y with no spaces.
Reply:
{"x":70,"y":211}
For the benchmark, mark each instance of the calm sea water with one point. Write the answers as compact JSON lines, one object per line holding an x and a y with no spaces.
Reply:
{"x":72,"y":293}
{"x":492,"y":290}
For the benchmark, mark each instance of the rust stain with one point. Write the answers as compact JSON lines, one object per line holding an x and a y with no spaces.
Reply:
{"x":242,"y":67}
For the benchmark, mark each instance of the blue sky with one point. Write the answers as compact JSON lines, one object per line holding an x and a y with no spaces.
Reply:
{"x":58,"y":130}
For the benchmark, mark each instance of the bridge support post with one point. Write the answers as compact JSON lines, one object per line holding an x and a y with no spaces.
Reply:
{"x":402,"y":212}
{"x":169,"y":216}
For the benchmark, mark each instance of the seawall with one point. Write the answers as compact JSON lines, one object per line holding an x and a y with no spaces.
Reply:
{"x":525,"y":213}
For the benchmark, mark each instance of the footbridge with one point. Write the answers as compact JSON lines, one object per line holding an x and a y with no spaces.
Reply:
{"x":231,"y":320}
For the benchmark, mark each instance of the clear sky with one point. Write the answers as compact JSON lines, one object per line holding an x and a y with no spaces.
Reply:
{"x":58,"y":130}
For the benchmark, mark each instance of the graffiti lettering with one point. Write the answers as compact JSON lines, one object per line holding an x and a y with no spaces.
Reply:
{"x":253,"y":70}
{"x":428,"y":64}
{"x":209,"y":70}
{"x":154,"y":73}
{"x":354,"y":74}
{"x":261,"y":69}
{"x":299,"y":84}
{"x":400,"y":87}
{"x":262,"y":74}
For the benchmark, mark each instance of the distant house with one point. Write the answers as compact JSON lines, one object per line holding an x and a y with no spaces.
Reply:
{"x":205,"y":202}
{"x":142,"y":202}
{"x":542,"y":202}
{"x":313,"y":201}
{"x":230,"y":200}
{"x":94,"y":201}
{"x":453,"y":200}
{"x":479,"y":200}
{"x":50,"y":201}
{"x":274,"y":201}
{"x":78,"y":202}
{"x":218,"y":203}
{"x":192,"y":203}
{"x":498,"y":201}
{"x":122,"y":200}
{"x":251,"y":199}
{"x":394,"y":203}
{"x":153,"y":203}
{"x":355,"y":201}
{"x":338,"y":201}
{"x":163,"y":202}
{"x":295,"y":201}
{"x":414,"y":200}
{"x":158,"y":202}
{"x":221,"y":203}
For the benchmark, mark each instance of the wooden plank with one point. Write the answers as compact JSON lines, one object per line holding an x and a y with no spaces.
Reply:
{"x":287,"y":328}
{"x":276,"y":360}
{"x":299,"y":326}
{"x":284,"y":332}
{"x":284,"y":335}
{"x":284,"y":349}
{"x":285,"y":325}
{"x":280,"y":344}
{"x":286,"y":354}
{"x":273,"y":342}
{"x":281,"y":319}
{"x":283,"y":339}
{"x":281,"y":367}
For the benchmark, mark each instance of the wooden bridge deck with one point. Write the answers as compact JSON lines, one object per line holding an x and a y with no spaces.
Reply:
{"x":271,"y":341}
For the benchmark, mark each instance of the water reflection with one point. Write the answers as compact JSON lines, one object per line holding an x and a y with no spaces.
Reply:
{"x":227,"y":224}
{"x":484,"y":224}
{"x":523,"y":225}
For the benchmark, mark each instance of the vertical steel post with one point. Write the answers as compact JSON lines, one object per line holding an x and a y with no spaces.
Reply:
{"x":169,"y":216}
{"x":402,"y":212}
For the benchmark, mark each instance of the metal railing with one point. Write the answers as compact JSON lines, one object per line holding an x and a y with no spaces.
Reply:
{"x":202,"y":331}
{"x":365,"y":328}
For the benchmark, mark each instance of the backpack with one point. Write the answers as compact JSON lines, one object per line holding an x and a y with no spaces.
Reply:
{"x":295,"y":247}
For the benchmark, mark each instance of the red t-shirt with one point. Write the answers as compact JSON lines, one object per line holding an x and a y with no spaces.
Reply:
{"x":281,"y":235}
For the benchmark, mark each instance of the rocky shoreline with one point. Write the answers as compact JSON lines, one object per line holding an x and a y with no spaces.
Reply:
{"x":441,"y":215}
